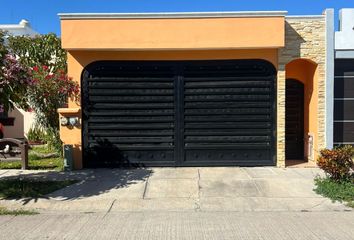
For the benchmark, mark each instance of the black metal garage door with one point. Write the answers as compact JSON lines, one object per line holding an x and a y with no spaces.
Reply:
{"x":179,"y":113}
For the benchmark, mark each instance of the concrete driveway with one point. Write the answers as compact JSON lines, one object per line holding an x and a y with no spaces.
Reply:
{"x":180,"y":189}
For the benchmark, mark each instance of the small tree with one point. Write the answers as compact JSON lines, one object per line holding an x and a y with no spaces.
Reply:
{"x":14,"y":79}
{"x":14,"y":83}
{"x":49,"y":92}
{"x":41,"y":50}
{"x":3,"y":51}
{"x":50,"y":86}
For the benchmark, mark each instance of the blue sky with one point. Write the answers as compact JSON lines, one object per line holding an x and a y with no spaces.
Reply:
{"x":43,"y":14}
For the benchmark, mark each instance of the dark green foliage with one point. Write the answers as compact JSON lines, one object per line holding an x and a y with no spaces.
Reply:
{"x":36,"y":134}
{"x":42,"y":50}
{"x":5,"y":211}
{"x":336,"y":190}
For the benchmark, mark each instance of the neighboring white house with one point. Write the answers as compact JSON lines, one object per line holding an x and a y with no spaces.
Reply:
{"x":18,"y":121}
{"x":23,"y":28}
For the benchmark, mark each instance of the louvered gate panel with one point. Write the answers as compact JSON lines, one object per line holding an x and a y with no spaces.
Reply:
{"x":129,"y":111}
{"x":229,"y":116}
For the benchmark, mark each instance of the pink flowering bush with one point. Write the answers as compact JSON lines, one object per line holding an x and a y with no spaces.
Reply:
{"x":48,"y":92}
{"x":14,"y":82}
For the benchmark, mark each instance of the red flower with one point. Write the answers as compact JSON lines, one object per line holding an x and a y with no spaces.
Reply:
{"x":49,"y":76}
{"x":35,"y":68}
{"x":45,"y":68}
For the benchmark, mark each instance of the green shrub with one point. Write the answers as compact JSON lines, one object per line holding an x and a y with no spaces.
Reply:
{"x":337,"y":162}
{"x":336,"y":190}
{"x":54,"y":142}
{"x":16,"y":212}
{"x":36,"y":134}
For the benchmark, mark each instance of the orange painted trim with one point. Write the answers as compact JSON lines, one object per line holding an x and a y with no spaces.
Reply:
{"x":68,"y":110}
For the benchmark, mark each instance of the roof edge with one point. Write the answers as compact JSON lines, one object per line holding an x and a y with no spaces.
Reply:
{"x":13,"y":26}
{"x":300,"y":17}
{"x":64,"y":16}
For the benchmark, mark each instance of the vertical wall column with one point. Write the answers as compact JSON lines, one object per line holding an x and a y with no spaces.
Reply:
{"x":281,"y":116}
{"x":329,"y":76}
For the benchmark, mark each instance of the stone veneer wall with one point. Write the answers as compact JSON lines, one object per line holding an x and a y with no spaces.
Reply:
{"x":304,"y":38}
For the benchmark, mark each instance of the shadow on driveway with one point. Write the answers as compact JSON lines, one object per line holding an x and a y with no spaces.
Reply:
{"x":91,"y":183}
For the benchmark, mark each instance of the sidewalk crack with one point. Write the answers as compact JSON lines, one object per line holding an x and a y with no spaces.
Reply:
{"x":146,"y":184}
{"x":110,"y":208}
{"x":197,"y":202}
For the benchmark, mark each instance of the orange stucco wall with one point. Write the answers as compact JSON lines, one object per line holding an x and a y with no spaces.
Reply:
{"x":90,"y":40}
{"x":155,"y":34}
{"x":307,"y":72}
{"x":77,"y":60}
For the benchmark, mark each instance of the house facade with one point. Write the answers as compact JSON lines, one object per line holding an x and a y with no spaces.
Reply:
{"x":17,"y":122}
{"x":198,"y":89}
{"x":344,"y":80}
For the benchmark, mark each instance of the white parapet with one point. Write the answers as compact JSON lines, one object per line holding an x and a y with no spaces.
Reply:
{"x":344,"y":38}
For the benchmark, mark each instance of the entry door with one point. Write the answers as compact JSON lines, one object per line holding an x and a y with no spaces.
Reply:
{"x":179,"y":113}
{"x":294,"y":126}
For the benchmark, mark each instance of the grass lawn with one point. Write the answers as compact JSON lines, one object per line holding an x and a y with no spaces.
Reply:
{"x":5,"y":211}
{"x":42,"y":149}
{"x":46,"y":164}
{"x":337,"y":191}
{"x":35,"y":161}
{"x":17,"y":188}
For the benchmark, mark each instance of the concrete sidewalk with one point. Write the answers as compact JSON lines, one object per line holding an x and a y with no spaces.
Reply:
{"x":180,"y":189}
{"x":181,"y":225}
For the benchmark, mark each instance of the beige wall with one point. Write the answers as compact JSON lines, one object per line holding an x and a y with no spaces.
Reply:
{"x":23,"y":122}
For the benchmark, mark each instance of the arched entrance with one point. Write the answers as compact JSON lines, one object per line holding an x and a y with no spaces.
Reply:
{"x":294,"y":120}
{"x":301,"y":131}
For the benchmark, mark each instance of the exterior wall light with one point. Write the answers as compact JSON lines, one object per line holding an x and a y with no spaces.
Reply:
{"x":64,"y":121}
{"x":69,"y":121}
{"x":73,"y":121}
